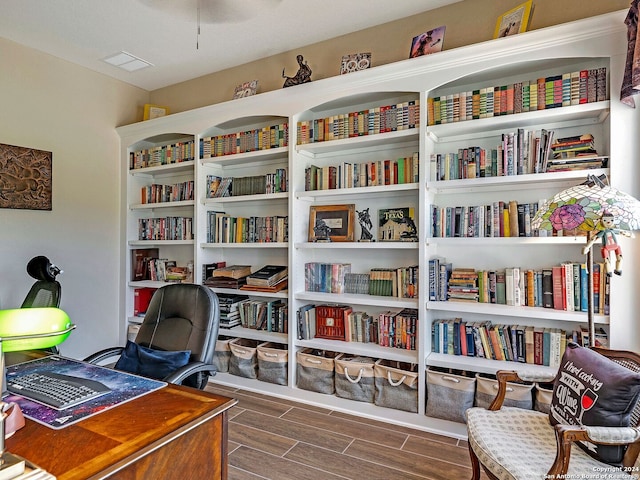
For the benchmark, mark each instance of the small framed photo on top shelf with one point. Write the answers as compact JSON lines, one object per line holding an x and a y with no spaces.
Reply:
{"x":427,"y":42}
{"x":332,"y":223}
{"x":514,"y":21}
{"x":246,"y":89}
{"x":154,"y":111}
{"x":354,"y":62}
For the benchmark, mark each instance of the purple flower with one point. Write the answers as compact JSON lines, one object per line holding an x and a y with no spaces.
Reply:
{"x":567,"y":217}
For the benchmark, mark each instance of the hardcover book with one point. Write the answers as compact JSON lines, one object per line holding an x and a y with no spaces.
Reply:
{"x":397,"y":225}
{"x":268,"y":275}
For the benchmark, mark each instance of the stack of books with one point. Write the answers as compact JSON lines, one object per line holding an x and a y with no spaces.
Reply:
{"x":574,"y":153}
{"x":230,"y":309}
{"x":270,"y":278}
{"x":234,"y":276}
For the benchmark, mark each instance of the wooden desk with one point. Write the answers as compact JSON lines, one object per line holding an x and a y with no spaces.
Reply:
{"x":174,"y":432}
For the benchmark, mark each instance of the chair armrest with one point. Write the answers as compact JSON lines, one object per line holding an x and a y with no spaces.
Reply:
{"x":104,"y":354}
{"x":504,"y":376}
{"x":189,"y":369}
{"x":566,"y":435}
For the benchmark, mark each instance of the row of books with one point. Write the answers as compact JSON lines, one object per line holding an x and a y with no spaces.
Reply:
{"x":157,"y":193}
{"x":165,"y":270}
{"x":275,"y":182}
{"x":387,"y":118}
{"x":273,"y":136}
{"x":520,"y":152}
{"x":165,"y":228}
{"x":561,"y":287}
{"x":267,"y":315}
{"x":395,"y":329}
{"x":570,"y":88}
{"x":365,"y":174}
{"x":162,"y":155}
{"x":514,"y":343}
{"x":497,"y":219}
{"x":224,"y":228}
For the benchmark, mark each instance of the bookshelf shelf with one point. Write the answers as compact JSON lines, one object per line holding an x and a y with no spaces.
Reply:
{"x":361,"y":144}
{"x":358,"y":245}
{"x":151,"y":206}
{"x":558,"y":180}
{"x":587,"y":44}
{"x":516,"y":312}
{"x":482,"y":365}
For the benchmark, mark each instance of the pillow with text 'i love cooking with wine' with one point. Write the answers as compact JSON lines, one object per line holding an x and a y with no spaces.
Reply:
{"x":592,"y":390}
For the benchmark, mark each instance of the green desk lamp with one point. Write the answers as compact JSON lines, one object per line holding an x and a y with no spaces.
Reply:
{"x":27,"y":329}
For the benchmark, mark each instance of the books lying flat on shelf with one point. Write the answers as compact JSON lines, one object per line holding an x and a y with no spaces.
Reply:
{"x":233,"y":271}
{"x":269,"y":289}
{"x":230,"y":305}
{"x":268,"y":275}
{"x":225,"y":282}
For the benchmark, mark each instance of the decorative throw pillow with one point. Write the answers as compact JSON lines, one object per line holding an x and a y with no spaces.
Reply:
{"x":591,"y":389}
{"x":149,"y":362}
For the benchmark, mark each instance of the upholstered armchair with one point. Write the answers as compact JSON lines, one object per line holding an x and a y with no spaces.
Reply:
{"x":518,"y":444}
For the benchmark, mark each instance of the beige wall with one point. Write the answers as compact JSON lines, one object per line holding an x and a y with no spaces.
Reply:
{"x":467,"y":22}
{"x":53,"y":105}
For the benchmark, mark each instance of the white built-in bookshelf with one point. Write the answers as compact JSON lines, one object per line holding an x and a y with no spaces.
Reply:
{"x":594,"y":43}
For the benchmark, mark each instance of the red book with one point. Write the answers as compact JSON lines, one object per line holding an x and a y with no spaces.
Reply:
{"x":141,"y":299}
{"x":557,"y":279}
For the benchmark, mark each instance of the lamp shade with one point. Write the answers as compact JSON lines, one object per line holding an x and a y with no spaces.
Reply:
{"x":33,"y":328}
{"x":581,"y":207}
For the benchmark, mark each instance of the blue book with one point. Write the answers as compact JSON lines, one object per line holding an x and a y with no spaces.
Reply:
{"x":584,"y":288}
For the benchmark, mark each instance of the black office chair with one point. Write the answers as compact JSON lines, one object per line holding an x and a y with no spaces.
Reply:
{"x":181,"y":317}
{"x":46,"y":291}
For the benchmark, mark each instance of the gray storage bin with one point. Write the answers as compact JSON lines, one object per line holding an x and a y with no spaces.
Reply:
{"x":315,"y":370}
{"x":396,"y":385}
{"x":244,"y":358}
{"x":518,"y":394}
{"x":543,"y":394}
{"x":273,"y":359}
{"x":449,"y":394}
{"x":222,"y":354}
{"x":354,"y":377}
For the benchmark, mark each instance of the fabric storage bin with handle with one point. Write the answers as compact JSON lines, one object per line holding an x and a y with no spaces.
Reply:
{"x":354,"y":377}
{"x":244,"y":359}
{"x":518,"y":394}
{"x":315,"y":370}
{"x":273,"y":359}
{"x":449,"y":394}
{"x":542,"y":397}
{"x":222,"y":354}
{"x":396,"y":385}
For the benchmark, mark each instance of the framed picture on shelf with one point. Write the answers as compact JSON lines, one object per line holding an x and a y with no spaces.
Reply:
{"x":331,"y":223}
{"x":245,"y":89}
{"x":154,"y":111}
{"x":427,"y":42}
{"x":514,"y":21}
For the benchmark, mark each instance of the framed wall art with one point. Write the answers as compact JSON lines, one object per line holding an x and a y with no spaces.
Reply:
{"x":332,"y":223}
{"x":25,"y":178}
{"x":514,"y":21}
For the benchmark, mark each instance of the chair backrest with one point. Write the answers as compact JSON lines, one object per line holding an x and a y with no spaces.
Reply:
{"x":43,"y":293}
{"x":182,"y":316}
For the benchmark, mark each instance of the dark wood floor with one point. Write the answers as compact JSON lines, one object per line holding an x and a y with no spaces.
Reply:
{"x":272,"y":438}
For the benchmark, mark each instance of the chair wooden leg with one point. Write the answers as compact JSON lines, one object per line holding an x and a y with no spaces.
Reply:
{"x":475,"y":464}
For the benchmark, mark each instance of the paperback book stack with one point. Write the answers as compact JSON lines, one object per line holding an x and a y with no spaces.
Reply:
{"x":270,"y":278}
{"x":233,"y":276}
{"x":574,"y":153}
{"x":230,"y":309}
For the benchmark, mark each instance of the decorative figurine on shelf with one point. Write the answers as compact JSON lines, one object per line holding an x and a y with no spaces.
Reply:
{"x":303,"y":75}
{"x":607,"y":235}
{"x":365,"y":225}
{"x":321,"y":231}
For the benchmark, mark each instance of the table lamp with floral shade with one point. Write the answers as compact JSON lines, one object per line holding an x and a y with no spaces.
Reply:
{"x":599,"y":211}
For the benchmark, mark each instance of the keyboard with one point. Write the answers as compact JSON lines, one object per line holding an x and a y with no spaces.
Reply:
{"x":55,"y":389}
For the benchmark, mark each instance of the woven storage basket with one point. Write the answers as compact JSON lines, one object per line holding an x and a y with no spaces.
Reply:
{"x":354,"y":377}
{"x":244,"y":359}
{"x":222,"y":354}
{"x":543,"y":394}
{"x":449,"y":394}
{"x":518,"y":394}
{"x":315,"y":370}
{"x":396,"y":385}
{"x":273,"y":359}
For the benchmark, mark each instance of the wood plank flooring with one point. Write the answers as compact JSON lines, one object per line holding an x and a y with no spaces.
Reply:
{"x":272,"y":438}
